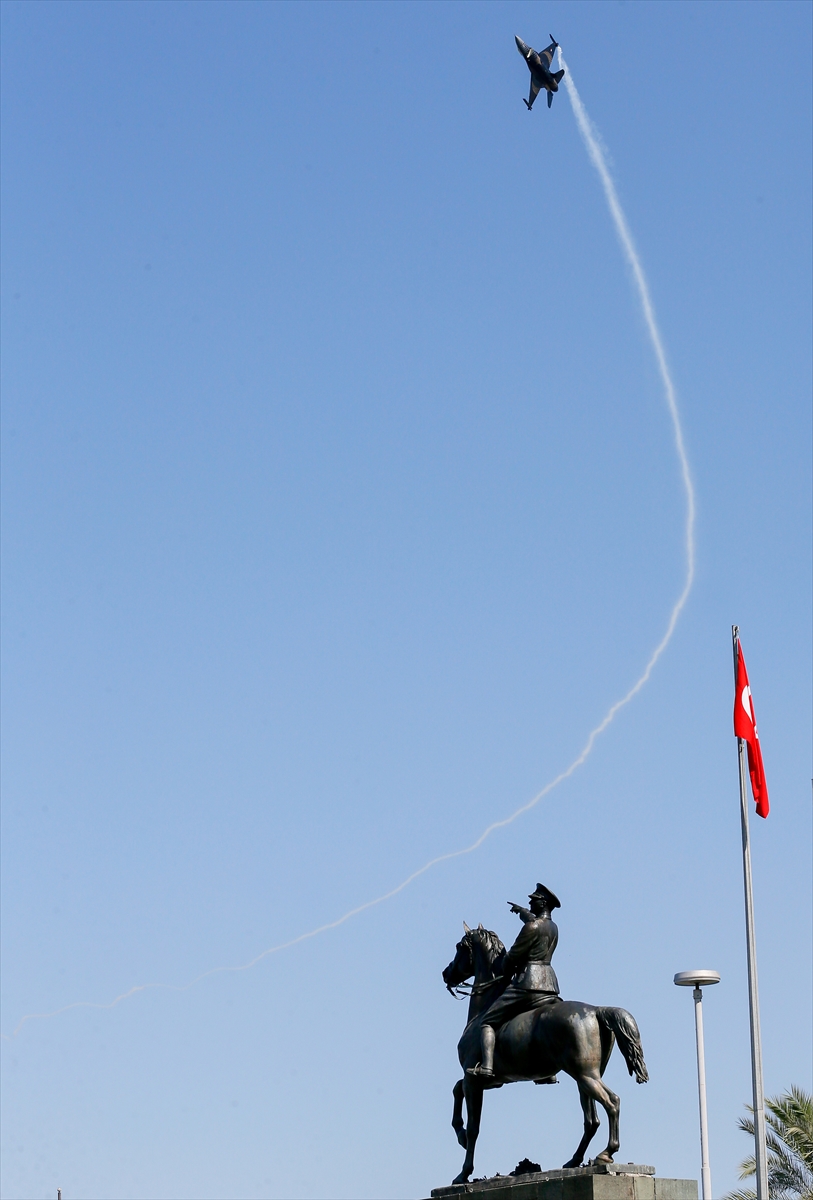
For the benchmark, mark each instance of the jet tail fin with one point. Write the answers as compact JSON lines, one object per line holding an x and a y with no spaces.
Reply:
{"x":550,"y":99}
{"x":558,"y":76}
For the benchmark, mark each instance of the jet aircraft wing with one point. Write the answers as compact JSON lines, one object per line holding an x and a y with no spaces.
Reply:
{"x":534,"y":92}
{"x":547,"y":55}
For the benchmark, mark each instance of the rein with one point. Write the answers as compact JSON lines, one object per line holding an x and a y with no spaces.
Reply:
{"x":462,"y":990}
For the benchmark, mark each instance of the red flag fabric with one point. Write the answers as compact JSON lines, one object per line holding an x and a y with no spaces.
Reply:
{"x":745,"y":726}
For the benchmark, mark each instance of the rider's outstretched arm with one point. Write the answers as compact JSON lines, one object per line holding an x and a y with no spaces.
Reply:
{"x":525,"y":915}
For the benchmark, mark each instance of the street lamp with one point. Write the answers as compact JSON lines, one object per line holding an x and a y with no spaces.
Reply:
{"x":698,"y":980}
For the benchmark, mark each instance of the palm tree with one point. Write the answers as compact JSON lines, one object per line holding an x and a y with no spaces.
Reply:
{"x":790,"y":1147}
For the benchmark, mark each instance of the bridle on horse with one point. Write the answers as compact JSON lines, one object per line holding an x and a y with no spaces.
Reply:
{"x":461,"y":990}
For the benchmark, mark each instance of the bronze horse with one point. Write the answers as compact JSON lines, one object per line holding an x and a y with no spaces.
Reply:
{"x":566,"y":1035}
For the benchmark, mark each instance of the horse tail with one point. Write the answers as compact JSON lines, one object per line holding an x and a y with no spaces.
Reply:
{"x":621,"y":1023}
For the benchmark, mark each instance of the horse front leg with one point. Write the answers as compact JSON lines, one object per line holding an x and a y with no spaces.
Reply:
{"x":457,"y":1113}
{"x":473,"y":1091}
{"x":590,"y":1127}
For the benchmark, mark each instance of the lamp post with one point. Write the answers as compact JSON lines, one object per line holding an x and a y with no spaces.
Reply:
{"x":698,"y":980}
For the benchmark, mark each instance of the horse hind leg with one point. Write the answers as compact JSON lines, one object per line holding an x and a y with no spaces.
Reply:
{"x":596,"y":1089}
{"x":457,"y":1114}
{"x":590,"y":1127}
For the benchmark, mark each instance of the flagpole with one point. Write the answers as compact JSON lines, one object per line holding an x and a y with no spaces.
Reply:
{"x":760,"y":1153}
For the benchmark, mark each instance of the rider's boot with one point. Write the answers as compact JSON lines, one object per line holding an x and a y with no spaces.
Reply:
{"x":485,"y":1067}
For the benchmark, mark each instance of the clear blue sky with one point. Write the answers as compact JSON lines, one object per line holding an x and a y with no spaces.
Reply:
{"x":339,"y":504}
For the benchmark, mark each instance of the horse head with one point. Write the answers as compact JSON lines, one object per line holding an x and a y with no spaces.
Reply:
{"x":476,"y":954}
{"x":461,"y":967}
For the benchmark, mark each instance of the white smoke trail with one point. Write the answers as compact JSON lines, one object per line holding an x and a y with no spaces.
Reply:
{"x":625,"y":237}
{"x":592,"y":142}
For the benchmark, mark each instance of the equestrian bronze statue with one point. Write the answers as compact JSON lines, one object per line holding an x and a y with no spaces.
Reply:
{"x":519,"y":1028}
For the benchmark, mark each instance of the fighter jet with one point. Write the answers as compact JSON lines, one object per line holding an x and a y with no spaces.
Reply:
{"x":539,"y":64}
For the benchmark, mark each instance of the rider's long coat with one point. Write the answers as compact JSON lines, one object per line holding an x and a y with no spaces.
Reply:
{"x":533,"y":979}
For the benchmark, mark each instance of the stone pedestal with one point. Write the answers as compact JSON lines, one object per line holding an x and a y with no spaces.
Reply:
{"x":605,"y":1181}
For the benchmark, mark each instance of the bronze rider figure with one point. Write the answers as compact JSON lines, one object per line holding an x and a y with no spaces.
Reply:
{"x":532,"y":980}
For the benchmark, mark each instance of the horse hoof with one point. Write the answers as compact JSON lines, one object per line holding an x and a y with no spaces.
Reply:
{"x":462,"y":1139}
{"x":603,"y":1158}
{"x":574,"y":1162}
{"x":463,"y":1177}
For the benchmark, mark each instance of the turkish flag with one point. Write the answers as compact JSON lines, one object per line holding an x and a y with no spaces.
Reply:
{"x":745,"y":726}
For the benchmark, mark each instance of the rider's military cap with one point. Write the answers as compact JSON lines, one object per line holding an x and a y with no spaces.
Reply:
{"x":543,"y":893}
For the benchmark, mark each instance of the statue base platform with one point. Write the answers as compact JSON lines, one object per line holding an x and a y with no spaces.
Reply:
{"x":604,"y":1181}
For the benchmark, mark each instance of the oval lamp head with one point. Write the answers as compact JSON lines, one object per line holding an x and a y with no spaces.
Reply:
{"x":697,"y":978}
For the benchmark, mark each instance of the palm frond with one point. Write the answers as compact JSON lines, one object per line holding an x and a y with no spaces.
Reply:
{"x":748,"y":1167}
{"x":792,"y":1114}
{"x":789,"y":1141}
